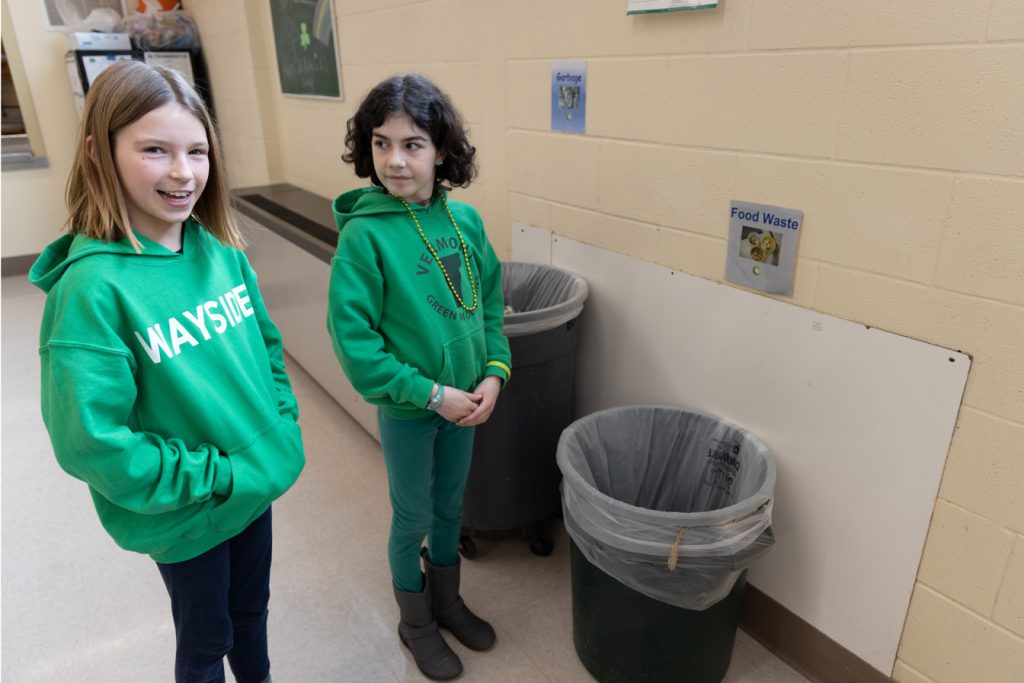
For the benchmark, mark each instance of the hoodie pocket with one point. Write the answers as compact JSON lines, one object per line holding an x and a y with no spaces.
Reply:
{"x":152,"y":534}
{"x":463,"y":358}
{"x":260,"y":473}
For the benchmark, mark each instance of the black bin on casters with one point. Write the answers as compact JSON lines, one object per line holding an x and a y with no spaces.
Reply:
{"x":513,"y":480}
{"x":666,"y":509}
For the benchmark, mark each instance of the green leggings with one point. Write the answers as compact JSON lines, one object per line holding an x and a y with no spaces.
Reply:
{"x":427,"y":459}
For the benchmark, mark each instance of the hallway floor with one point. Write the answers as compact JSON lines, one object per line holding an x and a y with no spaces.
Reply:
{"x":77,"y":608}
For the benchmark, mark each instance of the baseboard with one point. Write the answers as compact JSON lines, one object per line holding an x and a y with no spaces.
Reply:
{"x":803,"y":647}
{"x":17,"y":265}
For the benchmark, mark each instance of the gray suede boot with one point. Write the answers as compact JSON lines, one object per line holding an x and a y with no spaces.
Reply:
{"x":418,"y":631}
{"x":449,"y":609}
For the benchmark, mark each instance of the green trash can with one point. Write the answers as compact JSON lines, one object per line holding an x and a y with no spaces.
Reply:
{"x":666,"y":510}
{"x":622,"y":635}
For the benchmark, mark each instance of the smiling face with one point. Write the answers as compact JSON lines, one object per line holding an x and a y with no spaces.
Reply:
{"x":162,"y":161}
{"x":405,"y":159}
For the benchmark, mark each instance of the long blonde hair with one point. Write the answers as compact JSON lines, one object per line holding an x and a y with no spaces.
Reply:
{"x":122,"y":94}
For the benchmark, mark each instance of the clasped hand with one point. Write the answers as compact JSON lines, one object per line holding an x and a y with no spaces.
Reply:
{"x":468,"y":409}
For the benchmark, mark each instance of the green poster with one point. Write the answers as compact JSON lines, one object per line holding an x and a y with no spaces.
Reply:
{"x":307,"y":58}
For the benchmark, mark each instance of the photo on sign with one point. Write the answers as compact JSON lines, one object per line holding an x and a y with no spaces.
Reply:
{"x":568,"y":96}
{"x":763,"y":246}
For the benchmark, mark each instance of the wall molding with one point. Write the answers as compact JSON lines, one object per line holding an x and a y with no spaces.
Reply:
{"x":803,"y":647}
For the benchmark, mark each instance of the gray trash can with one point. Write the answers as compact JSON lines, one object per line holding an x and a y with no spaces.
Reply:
{"x":666,"y":509}
{"x":512,"y":488}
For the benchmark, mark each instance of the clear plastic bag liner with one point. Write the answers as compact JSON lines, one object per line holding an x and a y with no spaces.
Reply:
{"x":541,"y":297}
{"x":672,"y":503}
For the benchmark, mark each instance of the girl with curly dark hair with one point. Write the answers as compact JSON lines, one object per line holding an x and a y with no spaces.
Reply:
{"x":415,"y":313}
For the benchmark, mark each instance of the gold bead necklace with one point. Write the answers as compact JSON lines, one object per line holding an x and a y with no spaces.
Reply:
{"x":462,"y":244}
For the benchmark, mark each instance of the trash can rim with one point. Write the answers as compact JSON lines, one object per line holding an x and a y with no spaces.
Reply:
{"x":748,"y":505}
{"x":522,"y":322}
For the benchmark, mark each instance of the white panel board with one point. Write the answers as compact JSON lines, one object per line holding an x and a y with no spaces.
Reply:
{"x":859,"y":421}
{"x":530,"y":244}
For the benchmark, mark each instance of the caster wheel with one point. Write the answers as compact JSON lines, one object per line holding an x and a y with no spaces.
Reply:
{"x":467,"y":548}
{"x":541,"y":545}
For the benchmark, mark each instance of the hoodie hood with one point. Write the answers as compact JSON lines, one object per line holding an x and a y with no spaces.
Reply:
{"x":60,"y":254}
{"x":368,"y":201}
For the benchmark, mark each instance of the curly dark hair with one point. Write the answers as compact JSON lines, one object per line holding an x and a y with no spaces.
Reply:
{"x":430,"y":109}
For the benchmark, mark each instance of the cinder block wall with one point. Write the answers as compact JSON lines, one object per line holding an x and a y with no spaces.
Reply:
{"x":898,"y":129}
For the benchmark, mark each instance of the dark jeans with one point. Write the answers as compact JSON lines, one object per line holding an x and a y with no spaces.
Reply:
{"x":219,"y":602}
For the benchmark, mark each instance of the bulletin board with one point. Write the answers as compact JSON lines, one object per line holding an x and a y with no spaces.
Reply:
{"x":307,"y":52}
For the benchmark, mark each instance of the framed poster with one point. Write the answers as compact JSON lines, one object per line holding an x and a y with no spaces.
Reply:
{"x":307,"y":56}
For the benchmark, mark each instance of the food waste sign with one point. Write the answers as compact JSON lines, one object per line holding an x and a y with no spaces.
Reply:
{"x":762,"y":246}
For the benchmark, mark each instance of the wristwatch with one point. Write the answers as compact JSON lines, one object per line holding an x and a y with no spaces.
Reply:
{"x":435,"y":401}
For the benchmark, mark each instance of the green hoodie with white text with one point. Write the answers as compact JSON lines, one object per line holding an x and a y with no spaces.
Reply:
{"x":394,"y":319}
{"x":164,"y":389}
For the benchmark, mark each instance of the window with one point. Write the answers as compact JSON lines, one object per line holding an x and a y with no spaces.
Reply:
{"x":22,"y":141}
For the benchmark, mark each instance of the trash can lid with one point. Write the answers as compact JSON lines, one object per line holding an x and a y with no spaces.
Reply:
{"x":539,"y":297}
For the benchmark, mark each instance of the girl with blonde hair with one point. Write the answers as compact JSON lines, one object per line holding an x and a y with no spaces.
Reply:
{"x":163,"y":381}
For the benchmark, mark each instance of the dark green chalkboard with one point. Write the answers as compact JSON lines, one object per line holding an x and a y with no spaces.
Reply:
{"x":307,"y":57}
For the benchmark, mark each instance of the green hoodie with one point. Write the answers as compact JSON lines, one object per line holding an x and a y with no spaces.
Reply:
{"x":396,"y":326}
{"x":164,"y":389}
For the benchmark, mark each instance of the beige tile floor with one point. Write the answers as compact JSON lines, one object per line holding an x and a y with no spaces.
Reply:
{"x":76,"y":608}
